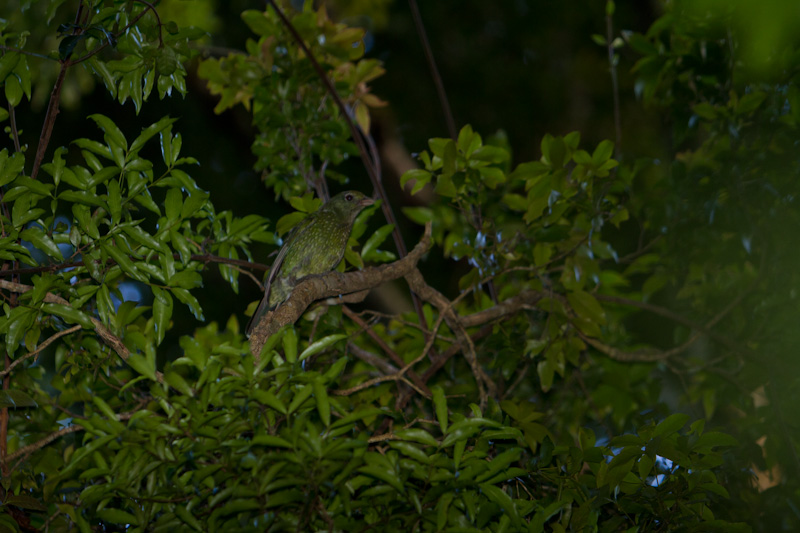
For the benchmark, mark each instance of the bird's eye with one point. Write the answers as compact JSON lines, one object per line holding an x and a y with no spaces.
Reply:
{"x":348,"y":197}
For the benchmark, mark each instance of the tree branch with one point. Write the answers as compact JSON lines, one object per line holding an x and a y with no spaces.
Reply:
{"x":437,"y":78}
{"x":417,"y":283}
{"x":333,"y":284}
{"x":371,"y":167}
{"x":38,"y":350}
{"x":41,"y":443}
{"x":204,"y":258}
{"x":385,"y":347}
{"x":113,"y":342}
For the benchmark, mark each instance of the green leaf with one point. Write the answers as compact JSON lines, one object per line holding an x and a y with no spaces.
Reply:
{"x":104,"y":407}
{"x":709,"y":440}
{"x":117,"y":516}
{"x":323,"y":403}
{"x":385,"y":474}
{"x":441,"y":510}
{"x":188,"y":518}
{"x":318,"y":346}
{"x":173,"y":203}
{"x":290,"y":345}
{"x":670,"y":425}
{"x":177,"y":382}
{"x":39,"y":239}
{"x":271,"y":441}
{"x":8,"y":62}
{"x":11,"y":167}
{"x":123,"y":261}
{"x":586,"y":306}
{"x":114,"y":201}
{"x":162,"y":312}
{"x":70,"y":314}
{"x":13,"y":90}
{"x":376,"y":240}
{"x":24,"y":501}
{"x":419,"y":176}
{"x":113,"y":135}
{"x":142,"y":365}
{"x":502,"y":499}
{"x":151,"y":131}
{"x":705,"y":110}
{"x":602,"y":153}
{"x":417,"y":435}
{"x":16,"y":398}
{"x":420,"y":215}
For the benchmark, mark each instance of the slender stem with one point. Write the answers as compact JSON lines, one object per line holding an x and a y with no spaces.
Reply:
{"x":14,"y":131}
{"x":437,"y":78}
{"x":4,"y":421}
{"x":25,"y":52}
{"x":612,"y":64}
{"x":205,"y":258}
{"x":50,"y":118}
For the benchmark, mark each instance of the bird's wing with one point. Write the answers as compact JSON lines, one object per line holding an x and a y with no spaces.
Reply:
{"x":273,"y":271}
{"x":276,"y":265}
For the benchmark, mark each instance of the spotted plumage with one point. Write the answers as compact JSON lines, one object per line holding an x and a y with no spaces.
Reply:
{"x":315,"y":246}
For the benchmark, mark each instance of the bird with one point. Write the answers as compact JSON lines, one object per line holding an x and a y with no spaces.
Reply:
{"x":315,"y":246}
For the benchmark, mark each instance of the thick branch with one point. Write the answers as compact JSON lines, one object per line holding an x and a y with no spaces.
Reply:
{"x":333,"y":284}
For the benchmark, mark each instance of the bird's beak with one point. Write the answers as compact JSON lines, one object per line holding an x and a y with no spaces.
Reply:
{"x":364,"y":202}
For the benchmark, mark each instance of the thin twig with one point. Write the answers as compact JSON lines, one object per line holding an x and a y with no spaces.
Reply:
{"x":38,"y":350}
{"x":612,"y":64}
{"x":49,"y":118}
{"x":25,"y":52}
{"x":675,"y":317}
{"x":204,"y":258}
{"x":437,"y":78}
{"x":12,"y":116}
{"x":114,"y":342}
{"x":41,"y":443}
{"x":385,"y":347}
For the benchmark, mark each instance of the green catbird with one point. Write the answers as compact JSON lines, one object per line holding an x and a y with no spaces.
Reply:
{"x":315,"y":246}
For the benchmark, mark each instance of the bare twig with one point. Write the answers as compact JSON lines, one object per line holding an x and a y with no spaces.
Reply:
{"x":14,"y":131}
{"x":372,"y":359}
{"x":41,"y":443}
{"x":437,"y":78}
{"x":49,"y":118}
{"x":675,"y":317}
{"x":612,"y":65}
{"x":38,"y":350}
{"x":385,"y":347}
{"x":204,"y":258}
{"x":417,"y":283}
{"x":113,"y":342}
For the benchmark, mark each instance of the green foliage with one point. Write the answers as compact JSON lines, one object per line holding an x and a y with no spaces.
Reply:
{"x":590,"y":422}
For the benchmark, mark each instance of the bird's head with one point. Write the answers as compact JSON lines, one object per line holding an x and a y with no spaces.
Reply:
{"x":347,"y":205}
